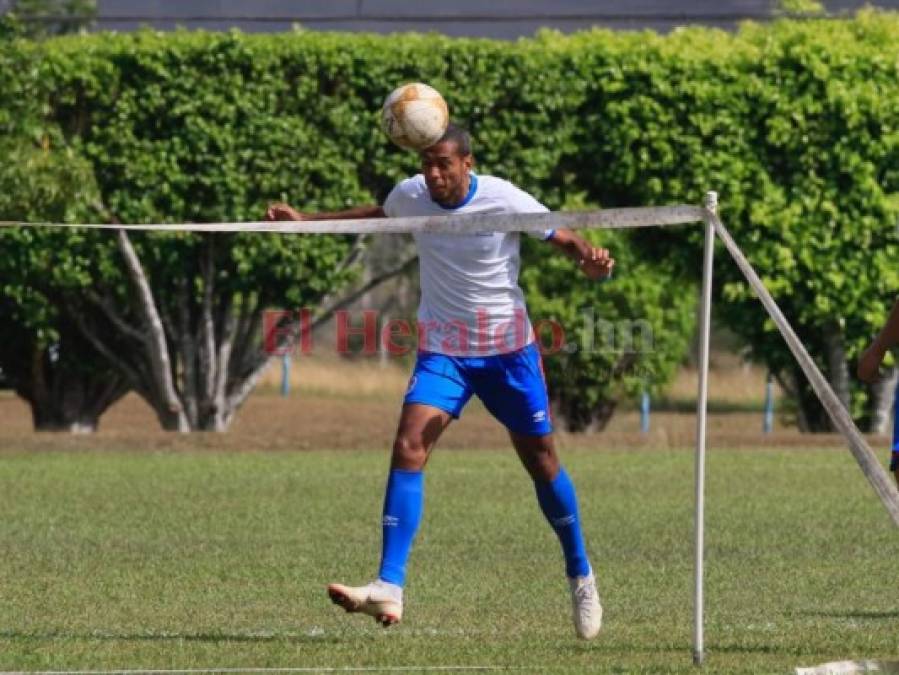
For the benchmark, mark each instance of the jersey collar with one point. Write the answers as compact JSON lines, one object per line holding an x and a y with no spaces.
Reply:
{"x":472,"y":188}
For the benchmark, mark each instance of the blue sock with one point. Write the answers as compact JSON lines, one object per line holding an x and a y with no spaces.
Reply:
{"x":559,"y":504}
{"x":403,"y":505}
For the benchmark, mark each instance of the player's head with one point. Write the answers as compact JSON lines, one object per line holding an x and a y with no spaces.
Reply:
{"x":446,"y":164}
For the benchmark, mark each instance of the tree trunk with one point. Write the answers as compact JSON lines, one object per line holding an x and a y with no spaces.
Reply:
{"x":67,"y":398}
{"x":811,"y":415}
{"x":881,"y":408}
{"x":837,"y":365}
{"x":163,"y":396}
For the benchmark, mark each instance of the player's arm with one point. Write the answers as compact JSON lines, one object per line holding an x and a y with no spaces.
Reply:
{"x":595,"y":262}
{"x":281,"y":211}
{"x":870,"y":360}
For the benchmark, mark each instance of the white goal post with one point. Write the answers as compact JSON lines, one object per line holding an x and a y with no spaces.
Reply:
{"x":606,"y":219}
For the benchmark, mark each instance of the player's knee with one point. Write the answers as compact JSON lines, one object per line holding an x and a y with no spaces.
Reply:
{"x":538,"y":455}
{"x":409,"y":452}
{"x":543,"y":466}
{"x":541,"y":463}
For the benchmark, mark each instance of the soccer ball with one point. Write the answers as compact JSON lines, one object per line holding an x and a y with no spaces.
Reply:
{"x":414,"y":116}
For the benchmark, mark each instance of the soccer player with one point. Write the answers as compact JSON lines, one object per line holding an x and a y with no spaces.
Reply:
{"x":869,"y":365}
{"x":474,"y":338}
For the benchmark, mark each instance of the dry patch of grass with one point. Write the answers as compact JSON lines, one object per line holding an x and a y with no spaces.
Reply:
{"x":732,"y":384}
{"x":330,"y":375}
{"x":342,"y":404}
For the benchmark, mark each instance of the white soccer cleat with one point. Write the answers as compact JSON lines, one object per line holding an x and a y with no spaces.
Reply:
{"x":585,"y":605}
{"x":378,"y":599}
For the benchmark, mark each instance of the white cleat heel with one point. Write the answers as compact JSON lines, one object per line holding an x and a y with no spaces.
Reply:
{"x":380,"y":600}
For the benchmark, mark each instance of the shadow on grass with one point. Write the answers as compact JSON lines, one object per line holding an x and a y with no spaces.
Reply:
{"x":680,"y":648}
{"x":855,"y":614}
{"x":293,"y":638}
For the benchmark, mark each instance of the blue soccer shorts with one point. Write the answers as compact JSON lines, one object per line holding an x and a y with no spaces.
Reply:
{"x":511,"y":386}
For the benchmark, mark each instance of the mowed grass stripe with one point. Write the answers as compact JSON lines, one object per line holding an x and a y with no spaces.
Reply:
{"x":219,"y":560}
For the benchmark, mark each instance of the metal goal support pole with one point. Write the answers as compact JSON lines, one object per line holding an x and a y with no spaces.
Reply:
{"x":705,"y":315}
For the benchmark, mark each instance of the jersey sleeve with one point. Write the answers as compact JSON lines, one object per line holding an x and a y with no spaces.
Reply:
{"x":391,"y":204}
{"x":521,"y":202}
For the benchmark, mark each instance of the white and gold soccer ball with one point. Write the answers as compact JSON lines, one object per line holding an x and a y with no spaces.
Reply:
{"x":414,"y":116}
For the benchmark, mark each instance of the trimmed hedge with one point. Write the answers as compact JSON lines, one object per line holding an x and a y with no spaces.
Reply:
{"x":793,"y":123}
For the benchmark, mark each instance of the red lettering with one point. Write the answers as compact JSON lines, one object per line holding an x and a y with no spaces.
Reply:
{"x":482,"y":329}
{"x":456,"y":340}
{"x":518,"y":326}
{"x":278,"y":333}
{"x":396,"y":328}
{"x":424,"y":329}
{"x":368,"y":331}
{"x":557,"y":332}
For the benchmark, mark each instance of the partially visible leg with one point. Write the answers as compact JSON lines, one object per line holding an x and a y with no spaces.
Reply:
{"x":557,"y":499}
{"x":556,"y":496}
{"x":894,"y":458}
{"x":513,"y":389}
{"x":419,"y":429}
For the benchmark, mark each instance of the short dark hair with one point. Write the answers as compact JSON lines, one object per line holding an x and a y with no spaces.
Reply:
{"x":459,"y":136}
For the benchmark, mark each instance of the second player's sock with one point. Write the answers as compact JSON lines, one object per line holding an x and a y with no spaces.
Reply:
{"x":403,"y":505}
{"x":558,"y":501}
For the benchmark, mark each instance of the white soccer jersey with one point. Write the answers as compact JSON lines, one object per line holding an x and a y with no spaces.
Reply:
{"x":471,"y":304}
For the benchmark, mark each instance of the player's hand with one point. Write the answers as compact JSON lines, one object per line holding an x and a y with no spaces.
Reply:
{"x":281,"y":211}
{"x":869,"y":363}
{"x":597,"y":264}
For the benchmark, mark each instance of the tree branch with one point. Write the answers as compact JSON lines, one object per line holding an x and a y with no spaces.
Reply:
{"x":236,"y":399}
{"x":131,"y":374}
{"x":188,"y":349}
{"x":394,"y":271}
{"x":207,"y":328}
{"x":354,"y":253}
{"x":106,"y":393}
{"x":226,"y":340}
{"x":116,"y":320}
{"x":249,"y":324}
{"x":156,"y":344}
{"x":168,"y":324}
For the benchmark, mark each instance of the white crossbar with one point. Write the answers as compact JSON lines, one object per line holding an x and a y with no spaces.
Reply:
{"x":452,"y":224}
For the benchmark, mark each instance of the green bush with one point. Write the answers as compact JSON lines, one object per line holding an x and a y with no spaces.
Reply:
{"x":608,"y":341}
{"x":792,"y":123}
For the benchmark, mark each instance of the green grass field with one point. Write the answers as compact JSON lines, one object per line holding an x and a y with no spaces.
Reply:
{"x":219,"y":560}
